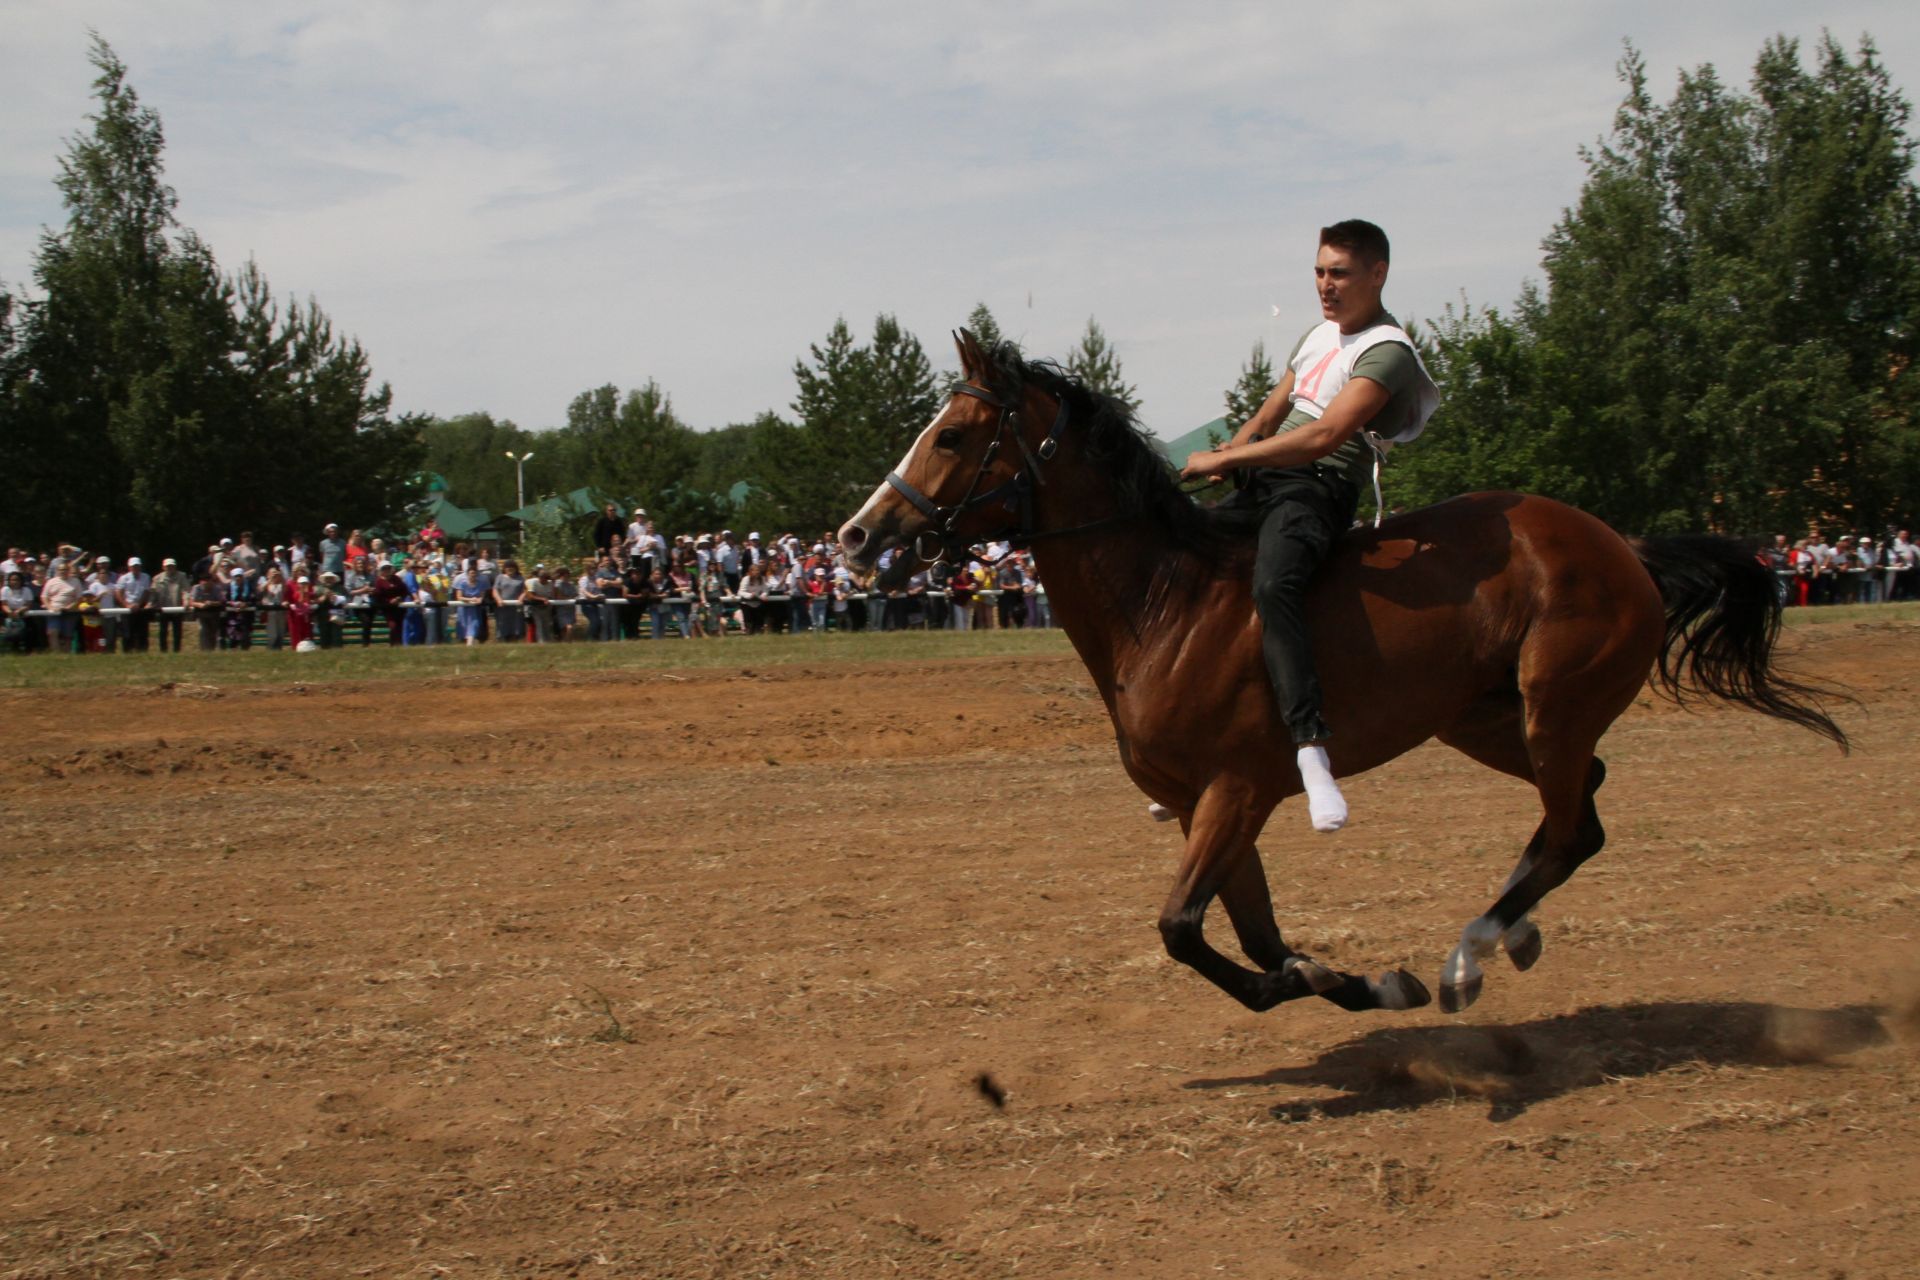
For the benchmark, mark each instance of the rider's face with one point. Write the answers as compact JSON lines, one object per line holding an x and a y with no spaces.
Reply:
{"x":1349,"y":286}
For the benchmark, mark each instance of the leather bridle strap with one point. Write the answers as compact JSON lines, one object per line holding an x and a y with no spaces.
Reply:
{"x":1016,"y":490}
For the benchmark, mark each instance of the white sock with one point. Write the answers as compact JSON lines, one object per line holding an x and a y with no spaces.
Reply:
{"x":1325,"y":805}
{"x":1159,"y":812}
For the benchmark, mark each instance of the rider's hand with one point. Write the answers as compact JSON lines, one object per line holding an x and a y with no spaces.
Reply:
{"x":1208,"y":464}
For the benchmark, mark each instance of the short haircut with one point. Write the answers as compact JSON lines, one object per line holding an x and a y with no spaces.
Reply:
{"x":1357,"y":236}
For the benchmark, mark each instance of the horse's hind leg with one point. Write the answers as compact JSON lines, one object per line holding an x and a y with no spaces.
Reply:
{"x":1562,"y":766}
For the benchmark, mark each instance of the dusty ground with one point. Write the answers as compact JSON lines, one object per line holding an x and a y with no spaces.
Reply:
{"x":695,"y":975}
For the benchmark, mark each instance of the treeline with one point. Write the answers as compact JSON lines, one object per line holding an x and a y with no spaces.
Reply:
{"x":1724,"y":339}
{"x":856,"y":409}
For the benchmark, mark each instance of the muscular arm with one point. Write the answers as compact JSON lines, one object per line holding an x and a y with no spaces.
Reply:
{"x":1270,"y":414}
{"x":1356,"y":405}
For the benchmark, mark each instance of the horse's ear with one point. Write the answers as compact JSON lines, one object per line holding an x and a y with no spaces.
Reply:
{"x":973,"y":361}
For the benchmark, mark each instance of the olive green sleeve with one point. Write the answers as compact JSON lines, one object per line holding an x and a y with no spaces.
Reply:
{"x":1391,"y":364}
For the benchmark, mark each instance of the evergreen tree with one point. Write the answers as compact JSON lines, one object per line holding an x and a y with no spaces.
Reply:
{"x":149,"y":400}
{"x":1256,"y":383}
{"x":858,"y":409}
{"x":982,"y":325}
{"x":1096,"y":364}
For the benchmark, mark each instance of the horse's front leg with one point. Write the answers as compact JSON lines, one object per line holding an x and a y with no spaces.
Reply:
{"x":1249,"y":905}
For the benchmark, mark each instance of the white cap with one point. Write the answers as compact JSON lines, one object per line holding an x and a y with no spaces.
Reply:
{"x":753,"y":537}
{"x":133,"y":561}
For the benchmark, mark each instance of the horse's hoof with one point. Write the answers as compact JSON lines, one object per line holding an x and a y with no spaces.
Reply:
{"x":1159,"y":812}
{"x":1455,"y":998}
{"x":1318,"y":977}
{"x":1399,"y":990}
{"x":1523,"y":946}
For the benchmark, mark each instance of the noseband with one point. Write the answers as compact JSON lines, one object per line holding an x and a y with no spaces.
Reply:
{"x":1016,"y":493}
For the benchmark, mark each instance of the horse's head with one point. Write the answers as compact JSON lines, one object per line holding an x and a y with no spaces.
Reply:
{"x":968,"y":476}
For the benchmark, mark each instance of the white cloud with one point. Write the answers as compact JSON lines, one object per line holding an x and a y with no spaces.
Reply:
{"x":511,"y":203}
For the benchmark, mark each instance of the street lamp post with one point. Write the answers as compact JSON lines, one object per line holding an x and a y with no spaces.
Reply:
{"x":520,"y":462}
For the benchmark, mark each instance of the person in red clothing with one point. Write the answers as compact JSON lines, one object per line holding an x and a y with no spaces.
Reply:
{"x":299,"y":611}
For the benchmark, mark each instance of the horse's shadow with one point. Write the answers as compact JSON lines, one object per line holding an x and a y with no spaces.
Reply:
{"x":1513,"y":1067}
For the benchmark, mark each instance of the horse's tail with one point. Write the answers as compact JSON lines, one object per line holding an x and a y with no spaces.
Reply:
{"x":1723,"y":617}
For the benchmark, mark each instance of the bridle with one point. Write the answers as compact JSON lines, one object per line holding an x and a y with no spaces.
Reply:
{"x":1015,"y":493}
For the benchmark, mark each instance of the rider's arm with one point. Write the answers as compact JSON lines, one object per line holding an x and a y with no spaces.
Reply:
{"x":1356,"y":405}
{"x":1270,"y":414}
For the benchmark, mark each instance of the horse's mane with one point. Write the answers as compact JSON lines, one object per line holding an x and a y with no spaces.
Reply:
{"x":1105,"y":428}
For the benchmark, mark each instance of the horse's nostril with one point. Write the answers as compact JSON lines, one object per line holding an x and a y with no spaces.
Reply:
{"x":852,"y":537}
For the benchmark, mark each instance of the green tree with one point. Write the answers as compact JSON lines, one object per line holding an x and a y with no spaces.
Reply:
{"x":1097,"y":365}
{"x":151,"y":401}
{"x":1256,"y":383}
{"x":982,"y":325}
{"x":1730,"y":313}
{"x":858,"y":409}
{"x":469,"y":452}
{"x":632,"y":445}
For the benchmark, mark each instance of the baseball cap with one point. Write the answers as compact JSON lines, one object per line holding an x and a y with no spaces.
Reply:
{"x":169,"y":561}
{"x":134,"y":561}
{"x":753,"y":537}
{"x":102,"y":560}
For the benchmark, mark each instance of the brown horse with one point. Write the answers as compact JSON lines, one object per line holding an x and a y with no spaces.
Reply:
{"x":1512,"y":628}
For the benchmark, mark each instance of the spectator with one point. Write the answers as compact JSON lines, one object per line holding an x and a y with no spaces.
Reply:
{"x":608,"y":530}
{"x":300,"y":595}
{"x":133,"y":591}
{"x":470,"y":603}
{"x":510,"y":620}
{"x":960,"y":587}
{"x":208,"y":600}
{"x":1903,"y":558}
{"x":819,"y":600}
{"x":728,"y":554}
{"x":169,"y":591}
{"x":386,"y":595}
{"x":329,"y":611}
{"x":593,"y":600}
{"x":1013,"y":598}
{"x":682,"y":591}
{"x":104,"y":628}
{"x":753,"y":599}
{"x":333,"y":551}
{"x":61,"y":596}
{"x":538,"y":601}
{"x":246,"y":555}
{"x":356,"y":590}
{"x":635,"y":588}
{"x":272,"y":599}
{"x":236,"y":631}
{"x":298,"y":555}
{"x":17,"y":600}
{"x":565,"y":592}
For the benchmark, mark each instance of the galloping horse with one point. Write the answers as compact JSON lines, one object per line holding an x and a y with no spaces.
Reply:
{"x":1512,"y":628}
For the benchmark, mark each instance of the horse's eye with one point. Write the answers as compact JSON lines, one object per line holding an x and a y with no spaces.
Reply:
{"x":948,"y":439}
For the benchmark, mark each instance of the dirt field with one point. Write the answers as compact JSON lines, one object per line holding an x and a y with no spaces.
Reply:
{"x":696,"y":974}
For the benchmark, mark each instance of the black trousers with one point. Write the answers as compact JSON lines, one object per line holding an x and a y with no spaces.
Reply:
{"x":1302,"y":511}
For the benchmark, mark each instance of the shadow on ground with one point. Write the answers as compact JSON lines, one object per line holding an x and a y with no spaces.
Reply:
{"x":1513,"y":1067}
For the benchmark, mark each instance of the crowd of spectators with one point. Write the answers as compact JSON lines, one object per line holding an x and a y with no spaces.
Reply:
{"x":636,"y":583}
{"x":1853,"y":569}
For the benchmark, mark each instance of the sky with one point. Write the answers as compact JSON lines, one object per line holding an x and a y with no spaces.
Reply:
{"x":508,"y":204}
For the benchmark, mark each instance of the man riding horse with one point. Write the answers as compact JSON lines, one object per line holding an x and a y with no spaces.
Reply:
{"x":1353,"y":386}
